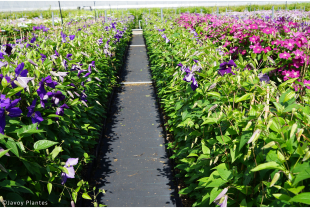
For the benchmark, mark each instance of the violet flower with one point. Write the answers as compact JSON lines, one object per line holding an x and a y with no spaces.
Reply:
{"x":69,"y":166}
{"x":221,"y":199}
{"x":225,"y":68}
{"x":6,"y":105}
{"x":263,"y":77}
{"x":71,"y":37}
{"x":36,"y":117}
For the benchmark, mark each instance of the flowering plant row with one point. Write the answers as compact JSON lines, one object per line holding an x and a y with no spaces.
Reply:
{"x":54,"y":89}
{"x":241,"y":138}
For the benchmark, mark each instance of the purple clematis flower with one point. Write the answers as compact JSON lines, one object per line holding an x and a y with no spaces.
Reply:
{"x":36,"y":117}
{"x":49,"y":82}
{"x":69,"y":56}
{"x":189,"y":77}
{"x":6,"y":105}
{"x":69,"y":166}
{"x":58,"y":96}
{"x":263,"y":77}
{"x":33,"y":39}
{"x":221,"y":199}
{"x":226,"y":68}
{"x":63,"y":36}
{"x":60,"y":110}
{"x":8,"y":49}
{"x":1,"y":55}
{"x":43,"y":57}
{"x":71,"y":37}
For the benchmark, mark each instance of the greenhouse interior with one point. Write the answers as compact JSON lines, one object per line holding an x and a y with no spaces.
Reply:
{"x":155,"y":103}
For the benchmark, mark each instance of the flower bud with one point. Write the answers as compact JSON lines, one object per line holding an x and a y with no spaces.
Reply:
{"x":299,"y":133}
{"x":293,"y":110}
{"x":269,"y":124}
{"x":293,"y":129}
{"x":280,"y":156}
{"x":270,"y":144}
{"x":210,"y":162}
{"x":196,"y":140}
{"x":275,"y":179}
{"x":216,"y":159}
{"x":306,"y":157}
{"x":72,"y":204}
{"x":255,"y":136}
{"x":248,"y":125}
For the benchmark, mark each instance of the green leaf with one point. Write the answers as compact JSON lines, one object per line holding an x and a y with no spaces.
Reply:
{"x":277,"y":123}
{"x":11,"y":144}
{"x":302,"y":198}
{"x":14,"y":91}
{"x":244,"y":97}
{"x":14,"y":197}
{"x":215,"y":94}
{"x":214,"y":193}
{"x":289,"y":96}
{"x":28,"y":130}
{"x":216,"y":183}
{"x":49,"y":188}
{"x":178,"y":106}
{"x":243,"y":203}
{"x":74,"y":102}
{"x":287,"y":82}
{"x":210,"y":121}
{"x":4,"y":83}
{"x":265,"y":70}
{"x":244,"y":138}
{"x":305,"y":174}
{"x":43,"y":144}
{"x":4,"y":152}
{"x":283,"y":197}
{"x":223,"y":139}
{"x":86,"y":196}
{"x":55,"y":152}
{"x":74,"y":196}
{"x":296,"y":190}
{"x":225,"y":174}
{"x":205,"y":150}
{"x":268,"y":165}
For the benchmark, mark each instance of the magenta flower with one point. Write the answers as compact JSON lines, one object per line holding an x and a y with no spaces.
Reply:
{"x":284,"y":55}
{"x":294,"y":73}
{"x":267,"y":49}
{"x":289,"y":44}
{"x":254,"y":39}
{"x":307,"y":83}
{"x":268,"y":31}
{"x":258,"y":49}
{"x":286,"y":74}
{"x":298,"y":54}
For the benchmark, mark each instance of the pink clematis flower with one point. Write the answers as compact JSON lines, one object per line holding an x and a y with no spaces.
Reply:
{"x":284,"y":55}
{"x":267,"y":49}
{"x":268,"y":31}
{"x":286,"y":74}
{"x":289,"y":44}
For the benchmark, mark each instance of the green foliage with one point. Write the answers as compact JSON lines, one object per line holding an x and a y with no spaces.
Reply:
{"x":213,"y":127}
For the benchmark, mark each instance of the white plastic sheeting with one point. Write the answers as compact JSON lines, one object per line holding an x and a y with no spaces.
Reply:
{"x":7,"y":6}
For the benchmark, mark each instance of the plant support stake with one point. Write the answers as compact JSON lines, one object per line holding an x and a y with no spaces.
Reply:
{"x":61,"y":16}
{"x":53,"y":19}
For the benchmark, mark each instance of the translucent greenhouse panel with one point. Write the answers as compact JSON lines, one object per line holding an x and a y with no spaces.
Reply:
{"x":7,"y":6}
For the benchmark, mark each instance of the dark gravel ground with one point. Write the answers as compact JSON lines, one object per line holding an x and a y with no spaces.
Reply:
{"x":133,"y":165}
